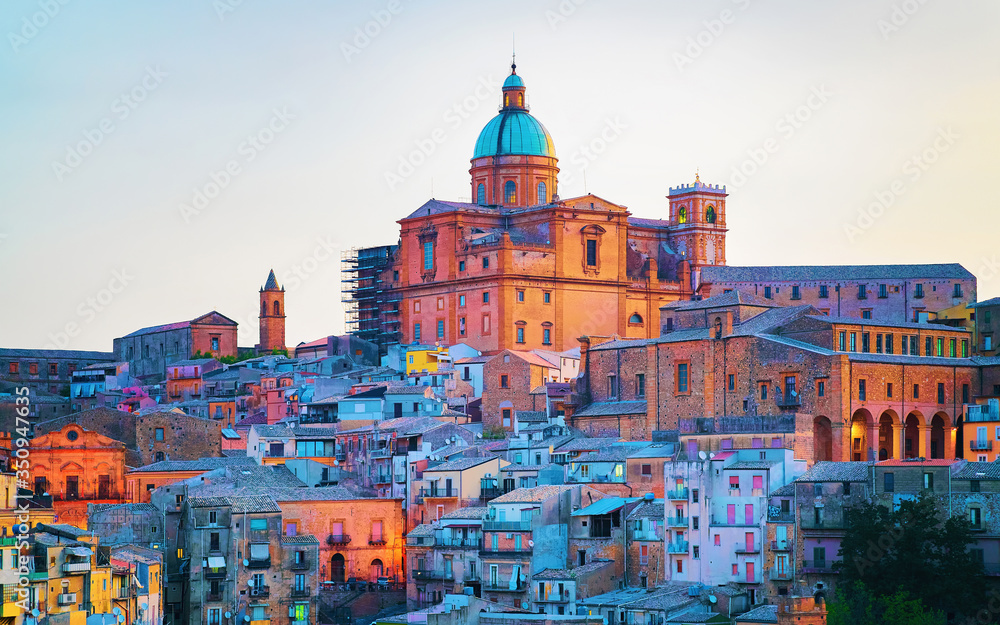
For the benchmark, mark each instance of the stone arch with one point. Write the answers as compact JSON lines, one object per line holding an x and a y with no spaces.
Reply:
{"x":911,"y":434}
{"x":822,"y":439}
{"x":861,"y":424}
{"x":940,"y":432}
{"x":959,"y":437}
{"x":376,"y":569}
{"x":887,"y":443}
{"x":277,"y":308}
{"x":338,"y":568}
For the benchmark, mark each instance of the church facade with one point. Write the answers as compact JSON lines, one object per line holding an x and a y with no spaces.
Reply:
{"x":522,"y":268}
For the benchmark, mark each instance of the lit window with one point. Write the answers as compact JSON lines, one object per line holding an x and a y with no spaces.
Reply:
{"x":510,"y":192}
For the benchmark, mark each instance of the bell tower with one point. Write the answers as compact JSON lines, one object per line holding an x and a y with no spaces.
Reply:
{"x":698,"y":226}
{"x":272,"y":316}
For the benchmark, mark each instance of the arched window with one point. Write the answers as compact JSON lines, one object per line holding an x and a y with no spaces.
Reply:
{"x":520,"y":99}
{"x":718,"y":327}
{"x":510,"y":192}
{"x":263,"y":309}
{"x":506,"y":99}
{"x":635,"y":318}
{"x":682,"y":215}
{"x":710,"y":215}
{"x":277,"y":308}
{"x":542,"y":195}
{"x":481,"y":194}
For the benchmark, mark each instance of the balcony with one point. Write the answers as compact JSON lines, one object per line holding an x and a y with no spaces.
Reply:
{"x":301,"y":565}
{"x":300,"y":593}
{"x":260,"y":592}
{"x":429,"y":575}
{"x":977,"y":445}
{"x":646,"y":535}
{"x":214,"y":596}
{"x":788,"y":400}
{"x":261,"y":563}
{"x":382,"y":478}
{"x":506,"y":526}
{"x":677,"y":494}
{"x":781,"y":545}
{"x":215,"y":573}
{"x":502,"y":587}
{"x":505,"y":553}
{"x":376,"y":540}
{"x":400,"y":478}
{"x":823,"y":524}
{"x":783,"y":575}
{"x":677,"y":547}
{"x":781,"y":517}
{"x":471,"y":577}
{"x":460,"y":543}
{"x":439,"y":492}
{"x":490,"y":492}
{"x":338,"y":539}
{"x":677,"y":521}
{"x":76,"y":567}
{"x":553,"y":597}
{"x":819,"y":566}
{"x":743,"y":548}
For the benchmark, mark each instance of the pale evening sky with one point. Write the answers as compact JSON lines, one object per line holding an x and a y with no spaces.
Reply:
{"x":114,"y":115}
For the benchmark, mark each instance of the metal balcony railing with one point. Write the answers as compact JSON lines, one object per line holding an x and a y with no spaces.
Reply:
{"x":743,"y":547}
{"x":818,"y":566}
{"x":781,"y":545}
{"x":977,"y":445}
{"x":506,"y":526}
{"x":338,"y":539}
{"x":677,"y":494}
{"x":553,"y":597}
{"x":677,"y":521}
{"x":677,"y":547}
{"x":261,"y":563}
{"x":782,"y":575}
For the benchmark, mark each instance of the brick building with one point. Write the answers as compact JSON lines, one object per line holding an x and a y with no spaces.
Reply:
{"x":47,"y":370}
{"x":150,"y":350}
{"x":272,"y":317}
{"x":507,"y":379}
{"x":737,"y":370}
{"x":888,"y":293}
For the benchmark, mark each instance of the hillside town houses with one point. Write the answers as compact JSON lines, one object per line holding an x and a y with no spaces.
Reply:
{"x":545,"y":410}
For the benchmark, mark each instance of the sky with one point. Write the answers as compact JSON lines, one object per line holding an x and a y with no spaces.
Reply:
{"x":159,"y":159}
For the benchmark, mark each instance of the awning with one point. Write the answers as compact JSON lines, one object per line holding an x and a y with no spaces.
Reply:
{"x":216,"y":562}
{"x":83,"y":552}
{"x":603,"y":506}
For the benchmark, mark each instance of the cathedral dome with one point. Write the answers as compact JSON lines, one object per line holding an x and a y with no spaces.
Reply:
{"x":514,"y":132}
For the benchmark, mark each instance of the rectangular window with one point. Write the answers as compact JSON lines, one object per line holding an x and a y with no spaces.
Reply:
{"x":952,"y":348}
{"x":731,"y":382}
{"x":862,"y":395}
{"x":795,"y":292}
{"x":486,"y":262}
{"x":965,"y":348}
{"x":928,"y":346}
{"x":888,"y":390}
{"x":913,"y":346}
{"x":416,"y":332}
{"x":865,"y":343}
{"x":159,"y":434}
{"x":53,"y":369}
{"x":461,"y":327}
{"x":486,"y":324}
{"x":904,"y":346}
{"x":767,"y":292}
{"x":866,"y":313}
{"x":640,"y":385}
{"x":878,"y":343}
{"x":547,"y":297}
{"x":504,"y":381}
{"x":843,"y":341}
{"x":888,"y":343}
{"x":546,"y":336}
{"x":428,"y":255}
{"x":763,"y":392}
{"x":520,"y":295}
{"x":821,"y":388}
{"x":461,"y":265}
{"x":862,"y":291}
{"x":939,"y":345}
{"x":824,"y":291}
{"x":916,"y":391}
{"x":612,"y":386}
{"x":682,"y":377}
{"x":940,"y":393}
{"x":854,"y":342}
{"x":520,"y":335}
{"x":928,"y":481}
{"x":883,"y":291}
{"x":919,"y":292}
{"x":890,"y":482}
{"x":591,"y":253}
{"x":965,"y":393}
{"x":486,"y":297}
{"x":440,"y":329}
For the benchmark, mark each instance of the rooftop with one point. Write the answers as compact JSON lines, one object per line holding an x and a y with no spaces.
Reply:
{"x":532,"y":495}
{"x":812,"y":273}
{"x":760,"y":614}
{"x":827,"y":471}
{"x":573,"y":573}
{"x":202,"y":464}
{"x":459,"y":464}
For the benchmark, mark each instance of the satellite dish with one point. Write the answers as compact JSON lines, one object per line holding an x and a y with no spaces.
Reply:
{"x":524,"y":605}
{"x":229,"y":614}
{"x":336,"y":463}
{"x":702,"y":455}
{"x":35,"y":613}
{"x":247,"y":563}
{"x":144,"y":605}
{"x":116,"y":611}
{"x":479,"y":435}
{"x":713,"y":599}
{"x":531,"y":543}
{"x":712,"y":455}
{"x":121,"y":618}
{"x":246,"y":617}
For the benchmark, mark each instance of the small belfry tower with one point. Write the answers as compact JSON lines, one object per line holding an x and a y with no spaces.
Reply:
{"x":272,"y":316}
{"x":698,"y":227}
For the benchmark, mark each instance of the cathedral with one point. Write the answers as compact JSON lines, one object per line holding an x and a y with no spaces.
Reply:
{"x":522,"y":268}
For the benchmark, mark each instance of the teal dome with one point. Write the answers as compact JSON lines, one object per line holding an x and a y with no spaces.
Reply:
{"x":514,"y":132}
{"x":513,"y":81}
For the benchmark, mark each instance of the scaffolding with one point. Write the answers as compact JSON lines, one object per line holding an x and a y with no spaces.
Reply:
{"x":371,"y":306}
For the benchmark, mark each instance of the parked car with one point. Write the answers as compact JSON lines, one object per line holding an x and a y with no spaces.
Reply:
{"x":383,"y":583}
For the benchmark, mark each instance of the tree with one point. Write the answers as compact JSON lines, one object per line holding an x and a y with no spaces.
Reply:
{"x":909,"y":548}
{"x":858,"y":606}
